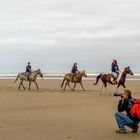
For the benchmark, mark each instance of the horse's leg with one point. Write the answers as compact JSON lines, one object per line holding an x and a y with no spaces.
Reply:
{"x":23,"y":85}
{"x":63,"y":82}
{"x":124,"y":86}
{"x":118,"y":86}
{"x":69,"y":85}
{"x":29,"y":85}
{"x":82,"y":86}
{"x":65,"y":85}
{"x":19,"y":84}
{"x":74,"y":86}
{"x":106,"y":89}
{"x":101,"y":89}
{"x":117,"y":89}
{"x":36,"y":85}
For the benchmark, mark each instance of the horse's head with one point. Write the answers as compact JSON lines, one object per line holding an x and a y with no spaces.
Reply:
{"x":128,"y":71}
{"x":40,"y":73}
{"x":84,"y":73}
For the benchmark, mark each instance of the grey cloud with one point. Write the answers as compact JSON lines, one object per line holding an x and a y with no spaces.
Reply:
{"x":54,"y":33}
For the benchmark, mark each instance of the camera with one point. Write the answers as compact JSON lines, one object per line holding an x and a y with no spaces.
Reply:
{"x":118,"y":94}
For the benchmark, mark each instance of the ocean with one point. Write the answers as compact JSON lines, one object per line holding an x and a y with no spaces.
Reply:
{"x":59,"y":76}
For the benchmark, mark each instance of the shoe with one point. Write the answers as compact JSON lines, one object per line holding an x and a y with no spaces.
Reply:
{"x":121,"y":130}
{"x":135,"y":129}
{"x":115,"y":82}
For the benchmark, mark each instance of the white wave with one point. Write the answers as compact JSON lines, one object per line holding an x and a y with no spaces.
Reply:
{"x":91,"y":76}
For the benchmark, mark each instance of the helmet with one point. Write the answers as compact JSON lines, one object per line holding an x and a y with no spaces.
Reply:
{"x":115,"y":61}
{"x":75,"y":63}
{"x":28,"y":63}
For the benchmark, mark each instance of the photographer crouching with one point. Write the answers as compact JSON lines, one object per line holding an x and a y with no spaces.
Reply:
{"x":122,"y":119}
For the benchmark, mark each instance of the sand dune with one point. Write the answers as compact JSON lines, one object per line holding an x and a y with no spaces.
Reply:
{"x":54,"y":114}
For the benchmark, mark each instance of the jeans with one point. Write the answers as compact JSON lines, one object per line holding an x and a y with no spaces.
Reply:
{"x":123,"y":120}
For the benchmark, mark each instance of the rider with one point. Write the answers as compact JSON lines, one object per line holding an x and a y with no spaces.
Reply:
{"x":28,"y":70}
{"x":74,"y":70}
{"x":115,"y":70}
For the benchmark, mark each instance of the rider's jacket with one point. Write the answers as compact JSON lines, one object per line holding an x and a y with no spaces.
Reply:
{"x":114,"y":68}
{"x":28,"y":68}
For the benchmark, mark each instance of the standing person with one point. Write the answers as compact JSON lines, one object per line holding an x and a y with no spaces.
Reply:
{"x":115,"y":70}
{"x":28,"y":70}
{"x":125,"y":104}
{"x":73,"y":71}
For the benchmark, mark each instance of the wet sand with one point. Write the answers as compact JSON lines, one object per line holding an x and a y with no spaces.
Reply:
{"x":54,"y":114}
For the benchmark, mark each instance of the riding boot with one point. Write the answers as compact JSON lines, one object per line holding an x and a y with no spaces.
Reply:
{"x":28,"y":77}
{"x":115,"y":81}
{"x":72,"y":78}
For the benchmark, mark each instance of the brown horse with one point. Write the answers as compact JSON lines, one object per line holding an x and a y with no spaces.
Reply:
{"x":77,"y":79}
{"x":106,"y":78}
{"x":29,"y":77}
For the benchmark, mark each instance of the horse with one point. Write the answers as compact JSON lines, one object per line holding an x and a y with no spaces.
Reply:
{"x":30,"y":77}
{"x":106,"y":78}
{"x":77,"y":79}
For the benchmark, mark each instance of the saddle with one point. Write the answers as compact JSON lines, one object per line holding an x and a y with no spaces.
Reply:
{"x":111,"y":75}
{"x":27,"y":75}
{"x":112,"y":78}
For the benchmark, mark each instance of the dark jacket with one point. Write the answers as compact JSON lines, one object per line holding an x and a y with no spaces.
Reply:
{"x":28,"y":68}
{"x":114,"y":67}
{"x":125,"y":105}
{"x":74,"y":69}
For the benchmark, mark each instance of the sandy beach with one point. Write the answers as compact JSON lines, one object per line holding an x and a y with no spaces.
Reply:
{"x":54,"y":114}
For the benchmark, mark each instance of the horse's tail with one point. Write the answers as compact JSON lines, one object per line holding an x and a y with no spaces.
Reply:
{"x":97,"y":78}
{"x":16,"y":78}
{"x":63,"y":82}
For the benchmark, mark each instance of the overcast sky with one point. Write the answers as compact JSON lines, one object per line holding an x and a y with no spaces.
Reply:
{"x":53,"y":34}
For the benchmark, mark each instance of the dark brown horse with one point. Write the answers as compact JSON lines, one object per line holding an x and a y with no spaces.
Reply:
{"x":106,"y":78}
{"x":77,"y":79}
